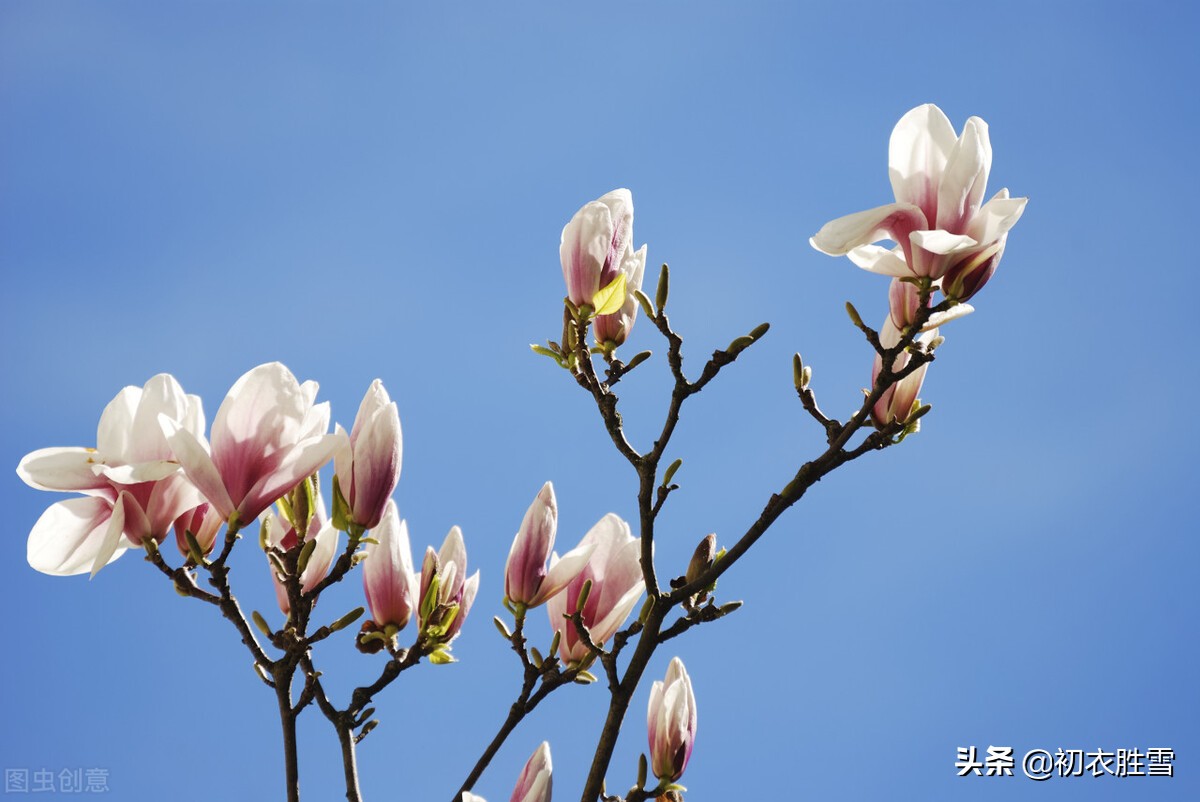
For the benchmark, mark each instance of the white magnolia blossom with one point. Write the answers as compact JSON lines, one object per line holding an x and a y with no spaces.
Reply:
{"x":941,"y":227}
{"x":132,"y":485}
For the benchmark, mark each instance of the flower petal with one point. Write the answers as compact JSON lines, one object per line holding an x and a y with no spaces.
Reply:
{"x":563,"y":571}
{"x":965,"y":177}
{"x":110,"y":543}
{"x":162,"y":395}
{"x":139,"y":472}
{"x":996,"y":217}
{"x":68,"y":535}
{"x":262,"y":408}
{"x":917,"y":153}
{"x":321,"y":557}
{"x":894,"y":221}
{"x":115,"y":432}
{"x":942,"y":242}
{"x":953,"y":313}
{"x":388,"y":579}
{"x":62,"y":469}
{"x":877,"y":259}
{"x":584,"y":246}
{"x":192,"y":454}
{"x":301,"y":462}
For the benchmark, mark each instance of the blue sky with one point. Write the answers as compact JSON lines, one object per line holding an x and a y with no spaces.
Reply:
{"x":376,"y":190}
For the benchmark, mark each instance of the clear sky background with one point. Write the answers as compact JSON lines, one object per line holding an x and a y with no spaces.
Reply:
{"x":367,"y":190}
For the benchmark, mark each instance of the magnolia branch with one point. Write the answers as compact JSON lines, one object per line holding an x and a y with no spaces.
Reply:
{"x":836,"y":454}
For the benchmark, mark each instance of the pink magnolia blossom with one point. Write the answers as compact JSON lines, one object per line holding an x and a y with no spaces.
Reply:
{"x":203,"y":522}
{"x":368,"y":463}
{"x":134,"y":489}
{"x":596,"y":247}
{"x":281,"y":535}
{"x":389,"y":582}
{"x":615,"y":327}
{"x":615,"y":571}
{"x":533,"y":785}
{"x":268,"y":436}
{"x":896,"y":403}
{"x":526,"y":580}
{"x":671,"y":723}
{"x":449,"y":565}
{"x":939,"y":221}
{"x":536,"y":780}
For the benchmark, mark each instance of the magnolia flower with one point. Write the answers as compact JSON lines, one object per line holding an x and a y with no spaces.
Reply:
{"x":536,"y":778}
{"x":281,"y":535}
{"x":596,"y":248}
{"x":368,"y":463}
{"x":389,"y":582}
{"x":526,"y":580}
{"x":449,"y":567}
{"x":897,"y":402}
{"x":203,"y":522}
{"x":615,"y":572}
{"x":615,"y":327}
{"x":134,"y":490}
{"x":268,"y":436}
{"x":938,"y":221}
{"x":671,"y":723}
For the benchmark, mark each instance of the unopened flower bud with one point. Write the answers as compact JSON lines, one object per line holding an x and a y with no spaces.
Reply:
{"x":671,"y":723}
{"x":368,"y":463}
{"x":203,"y":522}
{"x":702,"y":558}
{"x":527,"y":580}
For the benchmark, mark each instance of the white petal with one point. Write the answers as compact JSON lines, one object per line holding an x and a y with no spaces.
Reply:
{"x":917,"y":152}
{"x":316,"y":421}
{"x":141,"y":472}
{"x":68,"y":468}
{"x":107,"y":550}
{"x":321,"y":558}
{"x":892,"y":221}
{"x":115,"y":431}
{"x":965,"y":178}
{"x":67,"y":537}
{"x":193,"y":419}
{"x":161,"y":395}
{"x":996,"y":217}
{"x":953,"y":313}
{"x":562,"y":571}
{"x":192,"y":454}
{"x":263,"y":404}
{"x":877,"y":259}
{"x":942,"y":242}
{"x":607,"y":626}
{"x":454,"y":552}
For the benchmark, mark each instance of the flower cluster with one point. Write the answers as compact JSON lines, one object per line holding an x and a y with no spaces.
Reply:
{"x":606,"y":561}
{"x":153,"y":472}
{"x":947,"y":239}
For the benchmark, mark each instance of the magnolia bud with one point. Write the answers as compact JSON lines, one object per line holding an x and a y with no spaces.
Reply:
{"x":702,"y":558}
